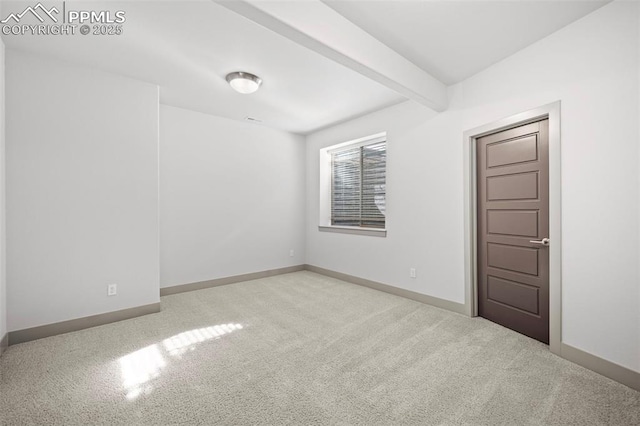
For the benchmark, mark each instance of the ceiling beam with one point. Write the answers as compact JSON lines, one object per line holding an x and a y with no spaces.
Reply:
{"x":315,"y":25}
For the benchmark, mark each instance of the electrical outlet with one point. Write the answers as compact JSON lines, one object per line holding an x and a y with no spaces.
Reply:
{"x":412,"y":272}
{"x":112,"y":289}
{"x":291,"y":253}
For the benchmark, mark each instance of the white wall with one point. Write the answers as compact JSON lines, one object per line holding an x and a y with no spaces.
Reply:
{"x":3,"y":270}
{"x":82,"y":191}
{"x":592,"y":67}
{"x":231,"y":197}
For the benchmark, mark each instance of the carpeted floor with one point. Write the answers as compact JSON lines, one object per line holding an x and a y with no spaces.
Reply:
{"x":302,"y":349}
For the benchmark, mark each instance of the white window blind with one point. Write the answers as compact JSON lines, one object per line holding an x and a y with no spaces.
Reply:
{"x":358,"y":185}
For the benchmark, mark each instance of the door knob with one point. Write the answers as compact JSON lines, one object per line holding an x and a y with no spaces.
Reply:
{"x":542,"y":242}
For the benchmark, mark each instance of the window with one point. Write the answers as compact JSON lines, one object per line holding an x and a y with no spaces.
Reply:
{"x":353,"y":187}
{"x":358,"y":185}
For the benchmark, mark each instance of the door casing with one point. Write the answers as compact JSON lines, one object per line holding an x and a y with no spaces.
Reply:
{"x":552,"y":112}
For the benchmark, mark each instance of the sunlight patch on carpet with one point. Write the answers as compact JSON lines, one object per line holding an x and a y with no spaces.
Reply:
{"x":139,"y":368}
{"x":180,"y":343}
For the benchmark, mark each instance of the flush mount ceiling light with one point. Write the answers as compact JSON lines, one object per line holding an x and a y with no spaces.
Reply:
{"x":244,"y":82}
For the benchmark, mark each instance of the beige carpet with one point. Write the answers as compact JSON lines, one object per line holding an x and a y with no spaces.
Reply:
{"x":302,"y":349}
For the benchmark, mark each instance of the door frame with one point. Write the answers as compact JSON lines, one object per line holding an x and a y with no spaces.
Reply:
{"x":552,"y":113}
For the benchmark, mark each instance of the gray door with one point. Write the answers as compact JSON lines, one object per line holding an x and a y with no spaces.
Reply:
{"x":513,"y":227}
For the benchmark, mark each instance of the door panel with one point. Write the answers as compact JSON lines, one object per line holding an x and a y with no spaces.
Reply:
{"x":513,"y":210}
{"x":520,"y":186}
{"x":514,"y":151}
{"x":513,"y":258}
{"x":522,"y":223}
{"x":513,"y":294}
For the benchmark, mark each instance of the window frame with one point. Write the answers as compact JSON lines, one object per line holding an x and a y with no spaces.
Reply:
{"x":326,"y":182}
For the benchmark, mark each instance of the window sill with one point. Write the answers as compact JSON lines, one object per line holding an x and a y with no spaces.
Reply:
{"x":372,"y":232}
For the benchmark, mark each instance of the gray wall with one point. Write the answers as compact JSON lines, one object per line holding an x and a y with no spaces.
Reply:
{"x":231,"y":197}
{"x":82,"y":191}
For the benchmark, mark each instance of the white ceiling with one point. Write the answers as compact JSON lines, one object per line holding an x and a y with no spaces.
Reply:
{"x":187,"y":48}
{"x":453,"y":40}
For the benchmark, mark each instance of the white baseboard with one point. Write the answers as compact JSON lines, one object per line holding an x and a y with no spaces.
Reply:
{"x":28,"y":334}
{"x":418,"y":297}
{"x":4,"y":343}
{"x":601,"y":366}
{"x":181,"y":288}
